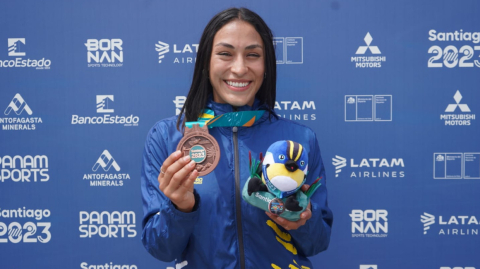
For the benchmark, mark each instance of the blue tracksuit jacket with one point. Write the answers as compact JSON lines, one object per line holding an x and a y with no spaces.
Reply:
{"x":224,"y":231}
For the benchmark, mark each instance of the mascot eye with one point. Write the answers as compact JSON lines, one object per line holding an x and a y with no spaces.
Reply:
{"x":281,"y":157}
{"x":302,"y":163}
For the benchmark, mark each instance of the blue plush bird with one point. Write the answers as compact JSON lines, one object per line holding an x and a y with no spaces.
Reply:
{"x":284,"y":171}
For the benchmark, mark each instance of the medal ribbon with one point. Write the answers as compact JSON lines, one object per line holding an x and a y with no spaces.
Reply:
{"x":231,"y":119}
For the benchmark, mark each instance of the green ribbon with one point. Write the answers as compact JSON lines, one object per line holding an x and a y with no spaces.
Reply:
{"x":231,"y":119}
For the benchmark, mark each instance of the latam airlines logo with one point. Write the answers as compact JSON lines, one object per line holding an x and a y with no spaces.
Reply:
{"x":104,"y":52}
{"x":454,"y":225}
{"x":19,"y":107}
{"x":457,"y":119}
{"x":370,"y":168}
{"x":373,"y":61}
{"x":16,"y":48}
{"x":104,"y":105}
{"x":186,"y":54}
{"x":108,"y":164}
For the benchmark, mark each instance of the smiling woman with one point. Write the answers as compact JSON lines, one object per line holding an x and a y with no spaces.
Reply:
{"x":202,"y":221}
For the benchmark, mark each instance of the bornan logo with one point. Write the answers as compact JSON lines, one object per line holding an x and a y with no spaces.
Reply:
{"x":104,"y":105}
{"x":25,"y":229}
{"x":184,"y":54}
{"x":107,"y":224}
{"x":24,"y":168}
{"x":370,"y":168}
{"x":374,"y":61}
{"x":104,"y":52}
{"x":448,"y":56}
{"x":464,"y":225}
{"x":107,"y":163}
{"x":369,"y":223}
{"x":457,"y":119}
{"x":16,"y":49}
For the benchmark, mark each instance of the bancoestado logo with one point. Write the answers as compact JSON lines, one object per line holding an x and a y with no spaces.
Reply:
{"x":19,"y":107}
{"x":104,"y":105}
{"x":108,"y":164}
{"x":293,"y":110}
{"x":452,"y":118}
{"x":184,"y":54}
{"x":369,"y":223}
{"x":24,"y":168}
{"x":111,"y":265}
{"x":371,"y":167}
{"x":104,"y":52}
{"x":107,"y":224}
{"x":15,"y":49}
{"x":28,"y":226}
{"x":455,"y":225}
{"x":373,"y":58}
{"x":459,"y":44}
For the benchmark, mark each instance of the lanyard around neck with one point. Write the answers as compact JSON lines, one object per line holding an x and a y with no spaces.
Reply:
{"x":231,"y":119}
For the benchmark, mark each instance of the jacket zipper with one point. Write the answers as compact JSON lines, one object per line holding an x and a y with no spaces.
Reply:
{"x":238,"y":199}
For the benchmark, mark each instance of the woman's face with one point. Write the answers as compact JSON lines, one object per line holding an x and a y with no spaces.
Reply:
{"x":237,"y":64}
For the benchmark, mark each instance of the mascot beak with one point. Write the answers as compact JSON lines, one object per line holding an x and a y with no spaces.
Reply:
{"x":291,"y":165}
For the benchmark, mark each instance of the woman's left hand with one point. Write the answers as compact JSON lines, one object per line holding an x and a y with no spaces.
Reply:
{"x":293,"y":225}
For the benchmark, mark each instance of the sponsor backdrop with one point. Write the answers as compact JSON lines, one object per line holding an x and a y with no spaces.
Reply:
{"x":390,"y":88}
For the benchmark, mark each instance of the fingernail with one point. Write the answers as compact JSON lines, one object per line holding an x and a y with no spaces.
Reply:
{"x":186,"y":158}
{"x":191,"y":163}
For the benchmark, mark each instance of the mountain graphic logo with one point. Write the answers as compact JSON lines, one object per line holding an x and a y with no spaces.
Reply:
{"x":15,"y":47}
{"x":106,"y":161}
{"x":162,"y":49}
{"x":373,"y":49}
{"x":18,"y":105}
{"x":104,"y":103}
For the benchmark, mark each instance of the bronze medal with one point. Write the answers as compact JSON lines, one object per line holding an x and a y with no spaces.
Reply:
{"x":201,"y":147}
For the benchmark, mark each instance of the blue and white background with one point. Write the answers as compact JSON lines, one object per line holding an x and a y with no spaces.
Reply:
{"x":390,"y":87}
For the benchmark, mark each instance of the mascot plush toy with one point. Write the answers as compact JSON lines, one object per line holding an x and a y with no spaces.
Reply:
{"x":275,"y":181}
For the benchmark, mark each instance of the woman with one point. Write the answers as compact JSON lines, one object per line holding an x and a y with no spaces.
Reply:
{"x":204,"y":223}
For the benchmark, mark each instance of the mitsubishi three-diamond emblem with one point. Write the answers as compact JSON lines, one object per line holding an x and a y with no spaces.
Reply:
{"x":373,"y":49}
{"x":453,"y":107}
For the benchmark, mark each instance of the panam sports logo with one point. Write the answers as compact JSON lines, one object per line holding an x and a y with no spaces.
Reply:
{"x":454,"y":225}
{"x":16,"y":48}
{"x":453,"y":117}
{"x":104,"y":104}
{"x":368,"y":56}
{"x":110,"y":176}
{"x":24,"y":168}
{"x":458,"y":52}
{"x":104,"y":52}
{"x":107,"y":224}
{"x":370,"y":168}
{"x":183,"y":54}
{"x":19,"y":107}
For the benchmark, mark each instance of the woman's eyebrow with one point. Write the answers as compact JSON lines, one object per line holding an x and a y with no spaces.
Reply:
{"x":249,"y":47}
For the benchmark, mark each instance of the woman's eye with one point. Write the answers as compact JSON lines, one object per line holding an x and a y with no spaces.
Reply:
{"x":253,"y":55}
{"x":281,"y":157}
{"x":223,"y":54}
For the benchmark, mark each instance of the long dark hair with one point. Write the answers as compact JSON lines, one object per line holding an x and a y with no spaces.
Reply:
{"x":201,"y":88}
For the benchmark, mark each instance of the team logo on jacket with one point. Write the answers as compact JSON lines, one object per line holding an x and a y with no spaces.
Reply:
{"x":18,"y":111}
{"x":107,"y":172}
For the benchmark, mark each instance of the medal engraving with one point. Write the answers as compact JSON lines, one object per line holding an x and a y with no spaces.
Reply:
{"x":201,"y":147}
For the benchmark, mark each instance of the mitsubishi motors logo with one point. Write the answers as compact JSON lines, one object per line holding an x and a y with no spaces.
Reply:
{"x":106,"y":161}
{"x":368,"y":40}
{"x":452,"y":107}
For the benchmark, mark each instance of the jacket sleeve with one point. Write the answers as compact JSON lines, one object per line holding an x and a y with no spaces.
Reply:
{"x":314,"y":237}
{"x":166,"y":230}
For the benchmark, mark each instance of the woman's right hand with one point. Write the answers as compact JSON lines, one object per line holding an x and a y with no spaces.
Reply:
{"x":176,"y":178}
